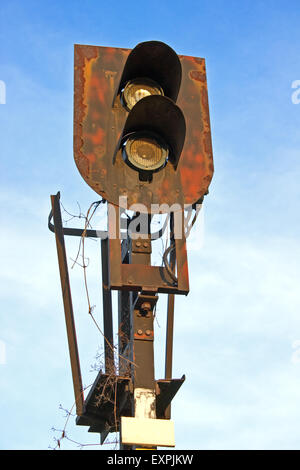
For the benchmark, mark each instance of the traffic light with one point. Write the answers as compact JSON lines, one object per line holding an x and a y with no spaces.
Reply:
{"x":154,"y":130}
{"x":141,"y":124}
{"x":141,"y":132}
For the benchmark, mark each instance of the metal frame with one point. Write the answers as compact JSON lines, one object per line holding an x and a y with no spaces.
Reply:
{"x":145,"y":277}
{"x":126,"y":266}
{"x":68,"y":307}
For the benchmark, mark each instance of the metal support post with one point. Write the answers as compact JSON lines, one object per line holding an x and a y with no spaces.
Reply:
{"x":68,"y":307}
{"x":107,"y":311}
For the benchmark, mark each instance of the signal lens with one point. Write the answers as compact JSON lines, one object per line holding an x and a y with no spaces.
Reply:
{"x":137,"y":89}
{"x":146,"y":152}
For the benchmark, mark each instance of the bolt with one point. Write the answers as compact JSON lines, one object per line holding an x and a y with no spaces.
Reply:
{"x":148,"y":332}
{"x":138,"y":244}
{"x":139,"y":332}
{"x":146,"y":306}
{"x":145,"y":244}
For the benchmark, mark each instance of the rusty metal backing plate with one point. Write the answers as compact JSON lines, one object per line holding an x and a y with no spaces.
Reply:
{"x":99,"y":119}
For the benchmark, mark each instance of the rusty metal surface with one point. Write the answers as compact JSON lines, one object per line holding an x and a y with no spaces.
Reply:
{"x":99,"y":119}
{"x":134,"y":277}
{"x":142,"y":328}
{"x":68,"y":307}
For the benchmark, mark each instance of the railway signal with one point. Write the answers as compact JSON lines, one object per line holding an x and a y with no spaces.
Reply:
{"x":142,"y":142}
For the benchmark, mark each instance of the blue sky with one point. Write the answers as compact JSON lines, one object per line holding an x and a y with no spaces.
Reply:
{"x":237,"y":333}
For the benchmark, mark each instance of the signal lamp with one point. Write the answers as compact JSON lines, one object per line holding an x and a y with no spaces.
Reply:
{"x":145,"y":151}
{"x":137,"y":89}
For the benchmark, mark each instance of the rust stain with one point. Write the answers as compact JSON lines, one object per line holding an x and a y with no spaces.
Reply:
{"x":198,"y":75}
{"x":87,"y":74}
{"x":91,"y":157}
{"x":97,"y":137}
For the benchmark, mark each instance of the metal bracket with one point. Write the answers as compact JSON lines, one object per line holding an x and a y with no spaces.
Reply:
{"x":75,"y":232}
